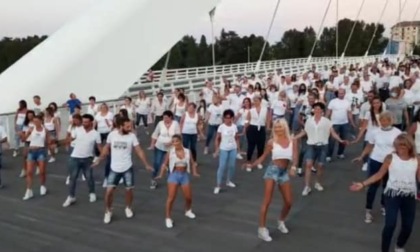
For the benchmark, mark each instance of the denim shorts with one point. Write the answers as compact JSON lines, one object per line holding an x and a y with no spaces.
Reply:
{"x":37,"y":155}
{"x":53,"y":134}
{"x":127,"y":176}
{"x":316,"y":153}
{"x":278,"y":174}
{"x":179,"y":178}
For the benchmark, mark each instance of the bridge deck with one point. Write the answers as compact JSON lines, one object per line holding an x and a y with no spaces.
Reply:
{"x":330,"y":221}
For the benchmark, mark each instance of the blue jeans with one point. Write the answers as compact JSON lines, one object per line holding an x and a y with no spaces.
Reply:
{"x":127,"y":177}
{"x":373,"y":167}
{"x":227,"y":161}
{"x":211,"y":132}
{"x":177,"y":118}
{"x":329,"y":95}
{"x":143,"y":118}
{"x":190,"y":142}
{"x":242,"y":137}
{"x":159,"y":157}
{"x":393,"y":205}
{"x":77,"y":165}
{"x":343,"y":131}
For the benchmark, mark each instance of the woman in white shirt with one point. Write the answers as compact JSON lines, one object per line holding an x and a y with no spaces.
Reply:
{"x":37,"y":155}
{"x":380,"y":145}
{"x":240,"y":123}
{"x":178,"y":164}
{"x":142,"y":110}
{"x":57,"y":116}
{"x":51,"y":125}
{"x":104,"y":125}
{"x":129,"y":106}
{"x":227,"y":142}
{"x":284,"y":153}
{"x":189,"y":125}
{"x":162,"y":142}
{"x":214,"y":119}
{"x":92,"y":108}
{"x":414,"y":131}
{"x":256,"y":122}
{"x":402,"y":168}
{"x":27,"y":125}
{"x":19,"y":120}
{"x":202,"y":111}
{"x":180,"y":107}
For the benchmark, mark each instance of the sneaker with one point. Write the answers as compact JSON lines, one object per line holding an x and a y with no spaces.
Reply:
{"x":216,"y":190}
{"x":92,"y":197}
{"x":314,"y":170}
{"x":300,"y":172}
{"x":105,"y":183}
{"x":328,"y":159}
{"x":264,"y":235}
{"x":230,"y":184}
{"x":365,"y":167}
{"x":238,"y":156}
{"x":52,"y":160}
{"x":169,"y":223}
{"x":383,"y":211}
{"x":282,"y":227}
{"x":249,"y":169}
{"x":28,"y":194}
{"x":368,"y":217}
{"x":42,"y":190}
{"x":259,"y":166}
{"x":129,"y":213}
{"x":83,"y":177}
{"x":68,"y":180}
{"x":341,"y":156}
{"x":15,"y":153}
{"x":69,"y":201}
{"x":56,"y":150}
{"x":107,"y":217}
{"x":190,"y":214}
{"x":122,"y":181}
{"x":318,"y":187}
{"x":399,"y":249}
{"x":95,"y":159}
{"x":206,"y":150}
{"x":306,"y":191}
{"x":22,"y":173}
{"x":153,"y":184}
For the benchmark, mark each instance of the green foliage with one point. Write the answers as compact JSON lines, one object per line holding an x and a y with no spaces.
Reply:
{"x":231,"y":48}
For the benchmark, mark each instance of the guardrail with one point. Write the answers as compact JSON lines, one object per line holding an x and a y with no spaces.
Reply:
{"x":193,"y":83}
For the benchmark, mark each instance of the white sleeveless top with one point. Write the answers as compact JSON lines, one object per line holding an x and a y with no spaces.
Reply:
{"x":258,"y":119}
{"x":417,"y":138}
{"x":190,"y":124}
{"x":180,"y":110}
{"x":175,"y":161}
{"x":49,"y":125}
{"x":37,"y":138}
{"x":402,"y":177}
{"x":20,"y":118}
{"x":279,"y":152}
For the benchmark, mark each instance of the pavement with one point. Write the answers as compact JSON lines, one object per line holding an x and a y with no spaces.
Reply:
{"x":329,"y":221}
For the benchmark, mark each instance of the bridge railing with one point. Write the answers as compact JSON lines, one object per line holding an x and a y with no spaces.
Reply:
{"x":193,"y":83}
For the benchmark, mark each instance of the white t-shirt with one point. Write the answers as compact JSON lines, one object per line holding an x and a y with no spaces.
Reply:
{"x":355,"y":99}
{"x":236,"y":101}
{"x":216,"y":114}
{"x":243,"y":114}
{"x":143,"y":106}
{"x":101,"y":121}
{"x":84,"y":142}
{"x":92,"y":110}
{"x":279,"y":108}
{"x":339,"y":108}
{"x":228,"y":133}
{"x":383,"y":142}
{"x":121,"y":150}
{"x":370,"y":126}
{"x":366,"y":86}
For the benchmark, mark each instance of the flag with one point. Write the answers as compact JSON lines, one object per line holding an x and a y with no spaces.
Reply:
{"x":212,"y":12}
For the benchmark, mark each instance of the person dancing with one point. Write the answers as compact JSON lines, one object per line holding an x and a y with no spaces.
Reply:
{"x":284,"y":150}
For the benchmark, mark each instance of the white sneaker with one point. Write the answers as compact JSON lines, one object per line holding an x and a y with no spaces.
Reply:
{"x":28,"y":194}
{"x":107,"y":217}
{"x":83,"y":178}
{"x":307,"y":190}
{"x":42,"y":190}
{"x":238,"y":156}
{"x":121,"y":181}
{"x":282,"y":227}
{"x":368,"y":217}
{"x":383,"y":211}
{"x":105,"y":183}
{"x":169,"y":223}
{"x":249,"y":169}
{"x":69,"y":201}
{"x":95,"y":159}
{"x":37,"y":171}
{"x":328,"y":159}
{"x":264,"y":235}
{"x":52,"y":160}
{"x":399,"y":250}
{"x":56,"y":150}
{"x":129,"y":213}
{"x":230,"y":184}
{"x":22,"y":173}
{"x":206,"y":151}
{"x":92,"y":197}
{"x":318,"y":187}
{"x":341,"y":156}
{"x":216,"y":190}
{"x":68,"y":180}
{"x":259,"y":166}
{"x":365,"y":167}
{"x":190,"y":214}
{"x":15,"y":153}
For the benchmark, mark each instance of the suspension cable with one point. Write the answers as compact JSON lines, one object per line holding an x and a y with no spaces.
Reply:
{"x":376,"y":28}
{"x":319,"y":32}
{"x":353,"y":28}
{"x":257,"y":67}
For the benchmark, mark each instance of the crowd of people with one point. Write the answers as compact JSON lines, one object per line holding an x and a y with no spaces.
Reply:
{"x":293,"y":121}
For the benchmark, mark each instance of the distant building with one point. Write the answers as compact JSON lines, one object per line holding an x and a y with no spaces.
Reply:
{"x":407,"y":34}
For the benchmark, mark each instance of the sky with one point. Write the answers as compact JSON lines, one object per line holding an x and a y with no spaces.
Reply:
{"x":42,"y":17}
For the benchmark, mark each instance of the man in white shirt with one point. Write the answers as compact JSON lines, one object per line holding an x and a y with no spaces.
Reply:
{"x":37,"y":108}
{"x":120,"y":145}
{"x":339,"y":111}
{"x":3,"y":139}
{"x":85,"y":139}
{"x":159,"y":105}
{"x":208,"y":92}
{"x":236,"y":99}
{"x":356,"y":98}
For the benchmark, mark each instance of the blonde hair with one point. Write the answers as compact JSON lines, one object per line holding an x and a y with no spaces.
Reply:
{"x":407,"y":141}
{"x":387,"y":115}
{"x":285,"y":124}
